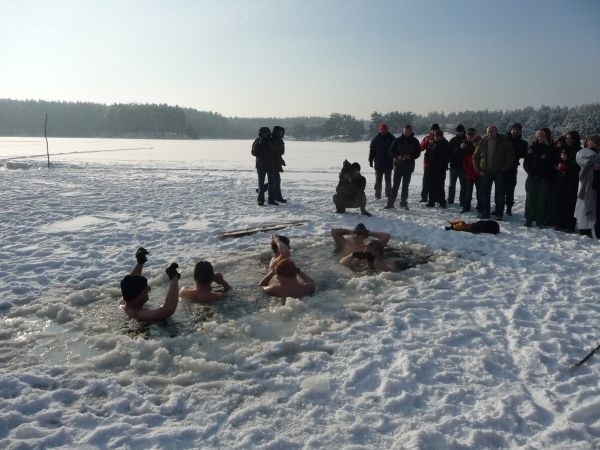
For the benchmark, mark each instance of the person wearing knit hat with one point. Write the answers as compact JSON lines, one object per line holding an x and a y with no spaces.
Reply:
{"x":291,"y":281}
{"x":379,"y":156}
{"x":135,"y":289}
{"x":201,"y":292}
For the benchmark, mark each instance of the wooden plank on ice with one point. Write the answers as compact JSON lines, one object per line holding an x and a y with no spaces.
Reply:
{"x":260,"y":229}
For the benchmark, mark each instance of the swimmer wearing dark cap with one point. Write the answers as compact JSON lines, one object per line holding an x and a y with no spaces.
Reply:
{"x":204,"y":276}
{"x":135,"y":289}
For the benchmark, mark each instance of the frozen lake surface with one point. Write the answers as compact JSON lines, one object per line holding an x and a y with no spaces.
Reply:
{"x":471,"y":349}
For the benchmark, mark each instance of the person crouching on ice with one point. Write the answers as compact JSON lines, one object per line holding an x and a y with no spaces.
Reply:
{"x":204,"y":275}
{"x":135,"y":289}
{"x":287,"y":274}
{"x":350,"y":191}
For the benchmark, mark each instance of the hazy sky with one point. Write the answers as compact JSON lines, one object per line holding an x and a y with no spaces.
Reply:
{"x":304,"y":57}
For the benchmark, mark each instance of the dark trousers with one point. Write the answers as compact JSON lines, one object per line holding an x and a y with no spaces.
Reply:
{"x":403,"y":178}
{"x":435,"y":191}
{"x":566,"y":197}
{"x":456,"y":173}
{"x":425,"y":186}
{"x":379,"y":176}
{"x":270,"y":174}
{"x":487,"y":180}
{"x":277,"y":181}
{"x":469,"y":185}
{"x":536,"y":209}
{"x":510,"y":182}
{"x":341,"y":202}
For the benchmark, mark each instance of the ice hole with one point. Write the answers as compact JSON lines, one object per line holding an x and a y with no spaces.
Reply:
{"x":247,"y":311}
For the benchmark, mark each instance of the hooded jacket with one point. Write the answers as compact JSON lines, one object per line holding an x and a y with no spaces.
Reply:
{"x":263,"y":149}
{"x":279,"y":145}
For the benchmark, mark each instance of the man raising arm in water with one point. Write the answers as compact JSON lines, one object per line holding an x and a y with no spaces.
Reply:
{"x":135,"y":289}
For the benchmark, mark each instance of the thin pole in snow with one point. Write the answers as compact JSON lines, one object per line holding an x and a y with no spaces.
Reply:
{"x":46,"y":136}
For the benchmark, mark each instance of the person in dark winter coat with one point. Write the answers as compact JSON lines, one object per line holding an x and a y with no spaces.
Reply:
{"x":350,"y":191}
{"x":471,"y":176}
{"x":267,"y":163}
{"x":539,"y":164}
{"x":438,"y":158}
{"x":379,"y":156}
{"x":277,"y":136}
{"x":404,"y":151}
{"x":456,"y":166}
{"x":519,"y":147}
{"x":566,"y":181}
{"x":427,"y":140}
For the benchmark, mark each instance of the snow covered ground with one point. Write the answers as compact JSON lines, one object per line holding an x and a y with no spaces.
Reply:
{"x":470,"y":350}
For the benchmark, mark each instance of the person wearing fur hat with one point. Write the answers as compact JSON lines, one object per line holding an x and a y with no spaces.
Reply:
{"x":291,"y":281}
{"x":379,"y":156}
{"x":135,"y":290}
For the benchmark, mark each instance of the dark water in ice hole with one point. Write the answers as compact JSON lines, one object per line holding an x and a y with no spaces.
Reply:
{"x":244,"y":269}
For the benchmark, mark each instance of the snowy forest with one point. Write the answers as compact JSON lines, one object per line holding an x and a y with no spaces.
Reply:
{"x":162,"y":121}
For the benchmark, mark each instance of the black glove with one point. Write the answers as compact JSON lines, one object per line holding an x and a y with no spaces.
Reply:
{"x":140,"y":255}
{"x":172,"y":271}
